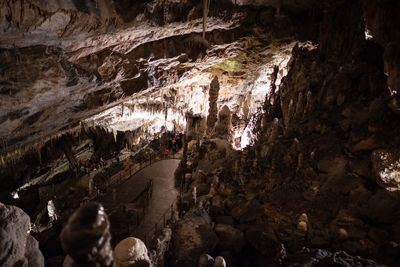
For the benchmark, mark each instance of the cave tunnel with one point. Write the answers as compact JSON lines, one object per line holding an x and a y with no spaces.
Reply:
{"x":205,"y":133}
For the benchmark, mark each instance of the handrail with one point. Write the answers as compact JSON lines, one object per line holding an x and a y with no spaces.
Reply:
{"x":134,"y":171}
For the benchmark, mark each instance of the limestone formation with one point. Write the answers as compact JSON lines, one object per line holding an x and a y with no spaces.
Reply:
{"x":86,"y":237}
{"x":224,"y":124}
{"x":131,"y":252}
{"x":212,"y":116}
{"x":17,"y":246}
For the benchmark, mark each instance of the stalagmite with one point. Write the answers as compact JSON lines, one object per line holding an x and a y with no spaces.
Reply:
{"x":86,"y":238}
{"x":213,"y":108}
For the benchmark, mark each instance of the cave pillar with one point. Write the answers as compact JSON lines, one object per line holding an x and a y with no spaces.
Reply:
{"x":213,"y":107}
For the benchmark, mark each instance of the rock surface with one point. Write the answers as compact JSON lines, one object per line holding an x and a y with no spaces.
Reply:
{"x":17,"y":247}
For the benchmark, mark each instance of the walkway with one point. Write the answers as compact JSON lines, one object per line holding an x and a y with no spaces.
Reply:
{"x":163,"y":196}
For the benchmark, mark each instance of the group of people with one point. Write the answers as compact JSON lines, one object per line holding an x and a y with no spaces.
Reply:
{"x":87,"y":166}
{"x":175,"y":142}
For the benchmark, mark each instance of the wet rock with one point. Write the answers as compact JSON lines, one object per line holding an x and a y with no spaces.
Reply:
{"x":130,"y":252}
{"x":229,"y":238}
{"x":17,"y":247}
{"x":193,"y":236}
{"x":386,"y":166}
{"x":86,"y":237}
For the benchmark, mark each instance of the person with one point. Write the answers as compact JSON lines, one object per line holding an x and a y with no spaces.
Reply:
{"x":174,"y":144}
{"x":166,"y":152}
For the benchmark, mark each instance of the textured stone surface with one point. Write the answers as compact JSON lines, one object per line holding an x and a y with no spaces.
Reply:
{"x":86,"y":237}
{"x":17,"y":247}
{"x":130,"y":251}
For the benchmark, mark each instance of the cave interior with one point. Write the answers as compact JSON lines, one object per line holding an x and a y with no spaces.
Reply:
{"x":204,"y":133}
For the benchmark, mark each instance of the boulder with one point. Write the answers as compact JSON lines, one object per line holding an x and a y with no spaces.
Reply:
{"x":130,"y":252}
{"x":193,"y":236}
{"x":229,"y":238}
{"x":17,"y":247}
{"x":264,"y":240}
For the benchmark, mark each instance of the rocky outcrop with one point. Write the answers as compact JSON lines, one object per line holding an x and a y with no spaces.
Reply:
{"x":193,"y":237}
{"x":17,"y":246}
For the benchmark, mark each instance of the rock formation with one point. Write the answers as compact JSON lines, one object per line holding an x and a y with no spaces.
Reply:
{"x":86,"y":237}
{"x":212,"y":102}
{"x":288,"y":112}
{"x":17,"y":246}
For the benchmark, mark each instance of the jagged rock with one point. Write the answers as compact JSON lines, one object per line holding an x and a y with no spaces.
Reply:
{"x":108,"y":69}
{"x":17,"y":247}
{"x":193,"y":236}
{"x":130,"y":252}
{"x":86,"y":237}
{"x":229,"y":238}
{"x":386,"y":166}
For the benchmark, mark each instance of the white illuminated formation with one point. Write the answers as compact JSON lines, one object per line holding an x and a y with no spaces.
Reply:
{"x":243,"y":87}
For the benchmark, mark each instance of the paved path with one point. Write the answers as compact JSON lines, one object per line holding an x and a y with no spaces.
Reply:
{"x":163,"y":196}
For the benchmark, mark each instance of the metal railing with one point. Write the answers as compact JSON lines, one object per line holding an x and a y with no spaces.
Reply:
{"x":127,"y":173}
